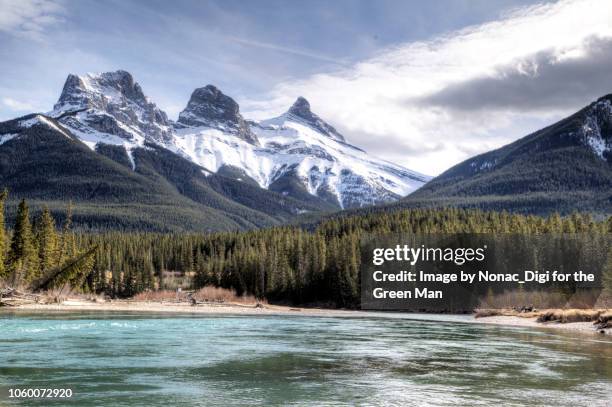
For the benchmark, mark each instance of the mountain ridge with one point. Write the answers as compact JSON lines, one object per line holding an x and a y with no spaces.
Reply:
{"x":113,"y":152}
{"x":563,"y":167}
{"x":216,"y":166}
{"x":42,"y":161}
{"x":310,"y":155}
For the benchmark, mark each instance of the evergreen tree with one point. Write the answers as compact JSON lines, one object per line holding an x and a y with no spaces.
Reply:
{"x":72,"y":273}
{"x":67,"y":246}
{"x":22,"y":258}
{"x":3,"y":273}
{"x":606,"y":277}
{"x":46,"y":238}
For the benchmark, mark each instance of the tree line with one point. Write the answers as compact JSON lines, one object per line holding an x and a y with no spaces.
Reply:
{"x":283,"y":264}
{"x":290,"y":264}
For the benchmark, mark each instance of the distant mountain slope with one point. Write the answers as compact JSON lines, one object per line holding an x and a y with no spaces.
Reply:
{"x":564,"y":167}
{"x":149,"y":189}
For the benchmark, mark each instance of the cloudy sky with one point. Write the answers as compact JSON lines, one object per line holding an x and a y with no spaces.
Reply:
{"x":423,"y":85}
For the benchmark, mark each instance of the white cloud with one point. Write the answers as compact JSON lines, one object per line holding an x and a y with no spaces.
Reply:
{"x":287,"y":50}
{"x":16,"y":105}
{"x":370,"y":101}
{"x":29,"y":18}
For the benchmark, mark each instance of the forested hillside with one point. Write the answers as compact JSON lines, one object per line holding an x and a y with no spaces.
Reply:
{"x":283,"y":264}
{"x":564,"y":167}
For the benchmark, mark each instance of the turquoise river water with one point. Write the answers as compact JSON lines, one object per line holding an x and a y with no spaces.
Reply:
{"x":180,"y":360}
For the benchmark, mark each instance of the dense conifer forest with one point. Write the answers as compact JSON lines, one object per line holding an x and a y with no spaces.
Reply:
{"x":38,"y":256}
{"x":282,"y":264}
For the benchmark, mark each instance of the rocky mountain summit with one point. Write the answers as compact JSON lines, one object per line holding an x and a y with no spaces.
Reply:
{"x":300,"y":110}
{"x":111,"y":104}
{"x":209,"y":107}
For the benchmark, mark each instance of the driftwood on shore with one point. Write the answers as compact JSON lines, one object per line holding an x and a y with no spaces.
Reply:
{"x":193,"y":301}
{"x":11,"y":297}
{"x":216,"y":302}
{"x":604,"y":321}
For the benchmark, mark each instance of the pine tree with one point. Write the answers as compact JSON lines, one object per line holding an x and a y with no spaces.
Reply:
{"x":3,"y":273}
{"x":22,"y":257}
{"x":606,"y":277}
{"x":71,"y":274}
{"x":67,"y":247}
{"x":46,"y":238}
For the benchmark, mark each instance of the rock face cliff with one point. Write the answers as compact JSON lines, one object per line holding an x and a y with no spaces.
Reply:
{"x":111,"y":104}
{"x":209,"y":107}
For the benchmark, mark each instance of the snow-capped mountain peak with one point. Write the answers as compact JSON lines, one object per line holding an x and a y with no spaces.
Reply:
{"x":300,"y":111}
{"x":300,"y":153}
{"x":111,"y":108}
{"x":209,"y":107}
{"x":297,"y":153}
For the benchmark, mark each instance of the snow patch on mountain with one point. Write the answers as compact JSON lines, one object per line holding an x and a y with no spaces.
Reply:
{"x":483,"y":165}
{"x":7,"y":137}
{"x":212,"y":148}
{"x":597,"y":128}
{"x":40,"y":119}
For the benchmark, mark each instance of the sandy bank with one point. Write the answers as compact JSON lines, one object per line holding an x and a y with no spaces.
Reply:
{"x":178,"y":307}
{"x":586,"y":327}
